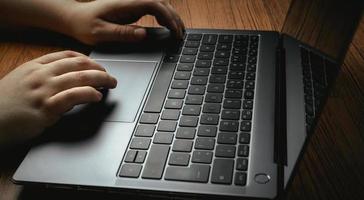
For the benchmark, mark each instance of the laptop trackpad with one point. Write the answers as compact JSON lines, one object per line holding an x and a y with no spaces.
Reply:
{"x":133,"y":80}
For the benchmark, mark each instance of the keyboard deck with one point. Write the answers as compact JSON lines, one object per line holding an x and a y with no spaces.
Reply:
{"x":197,"y":121}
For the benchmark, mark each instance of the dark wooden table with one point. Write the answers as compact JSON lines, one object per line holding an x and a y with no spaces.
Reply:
{"x":331,"y":168}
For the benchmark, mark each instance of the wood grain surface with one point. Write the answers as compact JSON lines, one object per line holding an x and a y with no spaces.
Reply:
{"x":333,"y":164}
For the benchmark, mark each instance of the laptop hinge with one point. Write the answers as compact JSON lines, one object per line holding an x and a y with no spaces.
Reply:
{"x":280,"y":129}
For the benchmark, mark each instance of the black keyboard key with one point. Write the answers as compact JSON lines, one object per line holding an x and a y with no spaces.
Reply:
{"x":232,"y":104}
{"x":235,"y":84}
{"x":246,"y":126}
{"x":227,"y":138}
{"x":185,"y":67}
{"x":230,"y":126}
{"x":189,"y":51}
{"x":219,"y":70}
{"x":185,"y":133}
{"x":225,"y":38}
{"x":144,"y":130}
{"x":222,"y":54}
{"x":222,"y":46}
{"x":192,"y":44}
{"x":236,"y":75}
{"x":221,"y":62}
{"x":177,"y":94}
{"x":205,"y":143}
{"x":249,"y":94}
{"x":179,"y":84}
{"x":243,"y":150}
{"x":199,"y":80}
{"x":211,"y":108}
{"x":236,"y":94}
{"x":140,"y":156}
{"x":215,"y":88}
{"x":217,"y":79}
{"x":213,"y":98}
{"x":225,"y":151}
{"x":194,"y":36}
{"x":202,"y":157}
{"x":242,"y":164}
{"x":209,"y":39}
{"x":207,"y":48}
{"x":250,"y":76}
{"x":248,"y":104}
{"x":203,"y":63}
{"x":205,"y":56}
{"x":156,"y":161}
{"x":237,"y":66}
{"x":182,"y":145}
{"x":191,"y":110}
{"x":140,"y":143}
{"x":180,"y":159}
{"x":174,"y":104}
{"x":159,"y":90}
{"x":240,"y":178}
{"x":222,"y":171}
{"x":187,"y":59}
{"x":130,"y":156}
{"x":170,"y":114}
{"x":182,"y":75}
{"x":230,"y":114}
{"x":171,"y":58}
{"x":195,"y":173}
{"x":163,"y":138}
{"x":207,"y":131}
{"x":244,"y":138}
{"x":194,"y":99}
{"x":209,"y":119}
{"x":251,"y":68}
{"x":188,"y":121}
{"x":167,"y":125}
{"x":246,"y":114}
{"x":130,"y":170}
{"x":149,"y":118}
{"x":196,"y":89}
{"x":201,"y":72}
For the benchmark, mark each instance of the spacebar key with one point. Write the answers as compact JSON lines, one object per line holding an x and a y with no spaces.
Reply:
{"x":160,"y":88}
{"x":156,"y":160}
{"x":195,"y":173}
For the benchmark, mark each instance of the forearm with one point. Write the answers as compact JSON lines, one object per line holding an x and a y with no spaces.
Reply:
{"x":45,"y":14}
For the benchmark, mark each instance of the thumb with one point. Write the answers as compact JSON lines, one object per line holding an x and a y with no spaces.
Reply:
{"x":122,"y":33}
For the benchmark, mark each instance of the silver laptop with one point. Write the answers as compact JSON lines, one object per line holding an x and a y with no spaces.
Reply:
{"x":222,"y":113}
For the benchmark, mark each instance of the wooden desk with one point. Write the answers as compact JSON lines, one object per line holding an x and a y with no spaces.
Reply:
{"x":333,"y":165}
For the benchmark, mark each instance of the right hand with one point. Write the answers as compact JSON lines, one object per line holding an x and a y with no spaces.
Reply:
{"x":37,"y":93}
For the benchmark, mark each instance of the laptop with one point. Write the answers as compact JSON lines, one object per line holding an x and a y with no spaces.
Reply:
{"x":223,"y":113}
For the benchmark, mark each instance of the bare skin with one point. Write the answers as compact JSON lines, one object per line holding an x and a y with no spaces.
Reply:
{"x":37,"y":93}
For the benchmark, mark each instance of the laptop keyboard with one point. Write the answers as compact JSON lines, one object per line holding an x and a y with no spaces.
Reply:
{"x":197,"y":121}
{"x":318,"y":74}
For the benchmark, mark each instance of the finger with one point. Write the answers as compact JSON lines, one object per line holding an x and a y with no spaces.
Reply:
{"x":72,"y":64}
{"x":67,"y":99}
{"x":57,"y":56}
{"x":179,"y":21}
{"x":93,"y":78}
{"x":163,"y":14}
{"x":121,"y":33}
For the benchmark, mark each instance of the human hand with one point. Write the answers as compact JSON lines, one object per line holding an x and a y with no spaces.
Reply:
{"x":107,"y":20}
{"x":37,"y":93}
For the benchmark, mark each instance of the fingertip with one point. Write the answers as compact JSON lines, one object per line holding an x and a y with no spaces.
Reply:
{"x":140,"y":33}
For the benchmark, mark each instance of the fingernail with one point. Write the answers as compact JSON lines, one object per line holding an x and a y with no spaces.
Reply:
{"x":140,"y":33}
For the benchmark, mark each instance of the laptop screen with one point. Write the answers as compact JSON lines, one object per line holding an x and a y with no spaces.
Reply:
{"x":327,"y":25}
